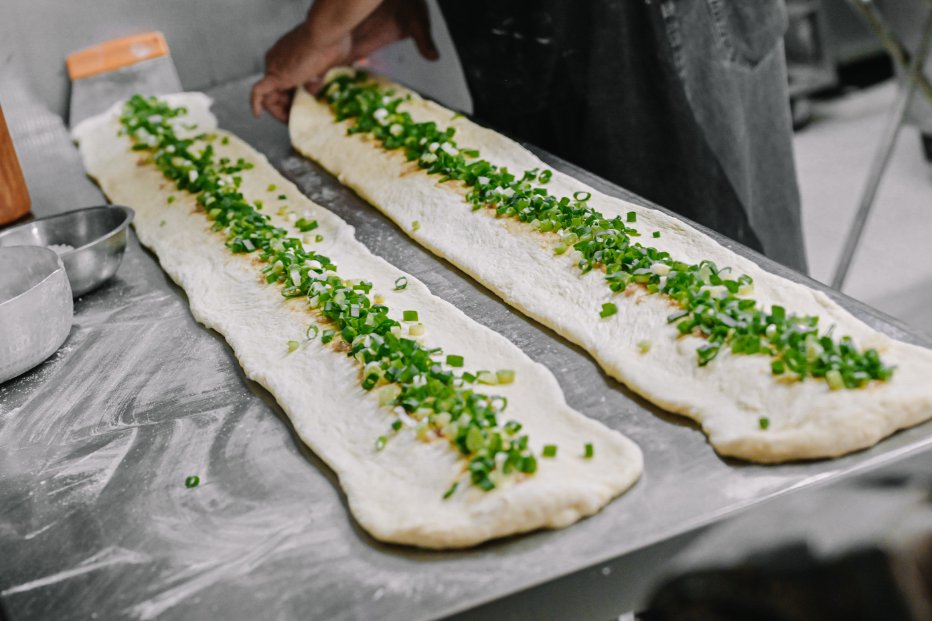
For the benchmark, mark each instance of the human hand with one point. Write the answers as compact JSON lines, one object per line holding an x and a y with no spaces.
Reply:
{"x":332,"y":36}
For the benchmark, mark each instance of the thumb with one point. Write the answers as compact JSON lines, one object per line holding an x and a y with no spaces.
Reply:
{"x":420,"y":32}
{"x":259,"y":90}
{"x":313,"y":85}
{"x":426,"y":47}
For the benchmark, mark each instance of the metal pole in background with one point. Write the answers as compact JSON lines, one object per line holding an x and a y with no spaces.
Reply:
{"x":888,"y":141}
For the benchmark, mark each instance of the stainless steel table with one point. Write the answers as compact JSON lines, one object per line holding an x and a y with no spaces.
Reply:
{"x":95,"y":445}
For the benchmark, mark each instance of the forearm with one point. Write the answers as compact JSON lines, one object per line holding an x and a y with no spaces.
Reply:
{"x":330,"y":20}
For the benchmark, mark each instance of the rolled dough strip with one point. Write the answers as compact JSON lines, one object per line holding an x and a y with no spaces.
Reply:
{"x":396,"y":494}
{"x":728,"y":397}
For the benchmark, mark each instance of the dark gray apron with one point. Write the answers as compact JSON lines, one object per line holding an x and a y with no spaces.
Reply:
{"x":681,"y":101}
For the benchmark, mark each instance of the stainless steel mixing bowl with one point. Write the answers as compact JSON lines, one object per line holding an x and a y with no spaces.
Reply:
{"x":35,"y":308}
{"x":97,"y":236}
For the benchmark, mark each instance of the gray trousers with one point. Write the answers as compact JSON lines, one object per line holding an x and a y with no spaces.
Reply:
{"x":681,"y":101}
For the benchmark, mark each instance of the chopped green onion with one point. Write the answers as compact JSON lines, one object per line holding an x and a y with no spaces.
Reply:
{"x":707,"y":353}
{"x":282,"y":197}
{"x":582,"y":196}
{"x":512,"y":427}
{"x":656,"y":234}
{"x":170,"y":199}
{"x":415,"y":225}
{"x":327,"y":336}
{"x":545,"y":176}
{"x":505,"y":376}
{"x":763,"y":422}
{"x":312,"y":331}
{"x":409,"y":315}
{"x":631,"y":217}
{"x":834,"y":379}
{"x":397,"y":425}
{"x":192,"y":481}
{"x":304,"y":225}
{"x":474,"y":440}
{"x":644,"y":346}
{"x":455,"y":361}
{"x":388,"y":394}
{"x":293,"y":345}
{"x":588,"y":450}
{"x":549,"y":450}
{"x":380,"y":442}
{"x":608,"y":309}
{"x":272,"y":187}
{"x":487,"y":377}
{"x":450,"y":491}
{"x":401,"y":283}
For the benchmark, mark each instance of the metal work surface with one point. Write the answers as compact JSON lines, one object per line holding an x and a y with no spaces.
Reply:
{"x":96,"y":443}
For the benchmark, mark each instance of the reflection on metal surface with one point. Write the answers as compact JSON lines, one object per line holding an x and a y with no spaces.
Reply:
{"x":95,"y":446}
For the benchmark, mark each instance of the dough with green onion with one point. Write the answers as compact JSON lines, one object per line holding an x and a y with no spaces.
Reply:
{"x":396,"y":493}
{"x":745,"y":410}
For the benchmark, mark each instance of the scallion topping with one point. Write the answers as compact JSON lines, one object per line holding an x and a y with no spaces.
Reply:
{"x":608,"y":309}
{"x":304,"y":225}
{"x":401,"y":283}
{"x":192,"y":481}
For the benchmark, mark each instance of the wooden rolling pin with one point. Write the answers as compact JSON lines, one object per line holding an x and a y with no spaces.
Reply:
{"x":14,"y":196}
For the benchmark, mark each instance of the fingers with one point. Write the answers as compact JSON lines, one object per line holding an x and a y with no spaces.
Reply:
{"x":313,"y":86}
{"x":420,"y":32}
{"x":268,"y":94}
{"x":259,"y":90}
{"x":426,"y":47}
{"x":278,"y":104}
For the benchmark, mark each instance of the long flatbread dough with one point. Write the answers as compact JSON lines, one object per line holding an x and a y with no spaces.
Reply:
{"x":396,"y":494}
{"x":743,"y":409}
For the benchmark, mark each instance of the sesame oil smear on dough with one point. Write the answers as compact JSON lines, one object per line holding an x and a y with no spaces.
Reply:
{"x":396,"y":489}
{"x":748,"y":405}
